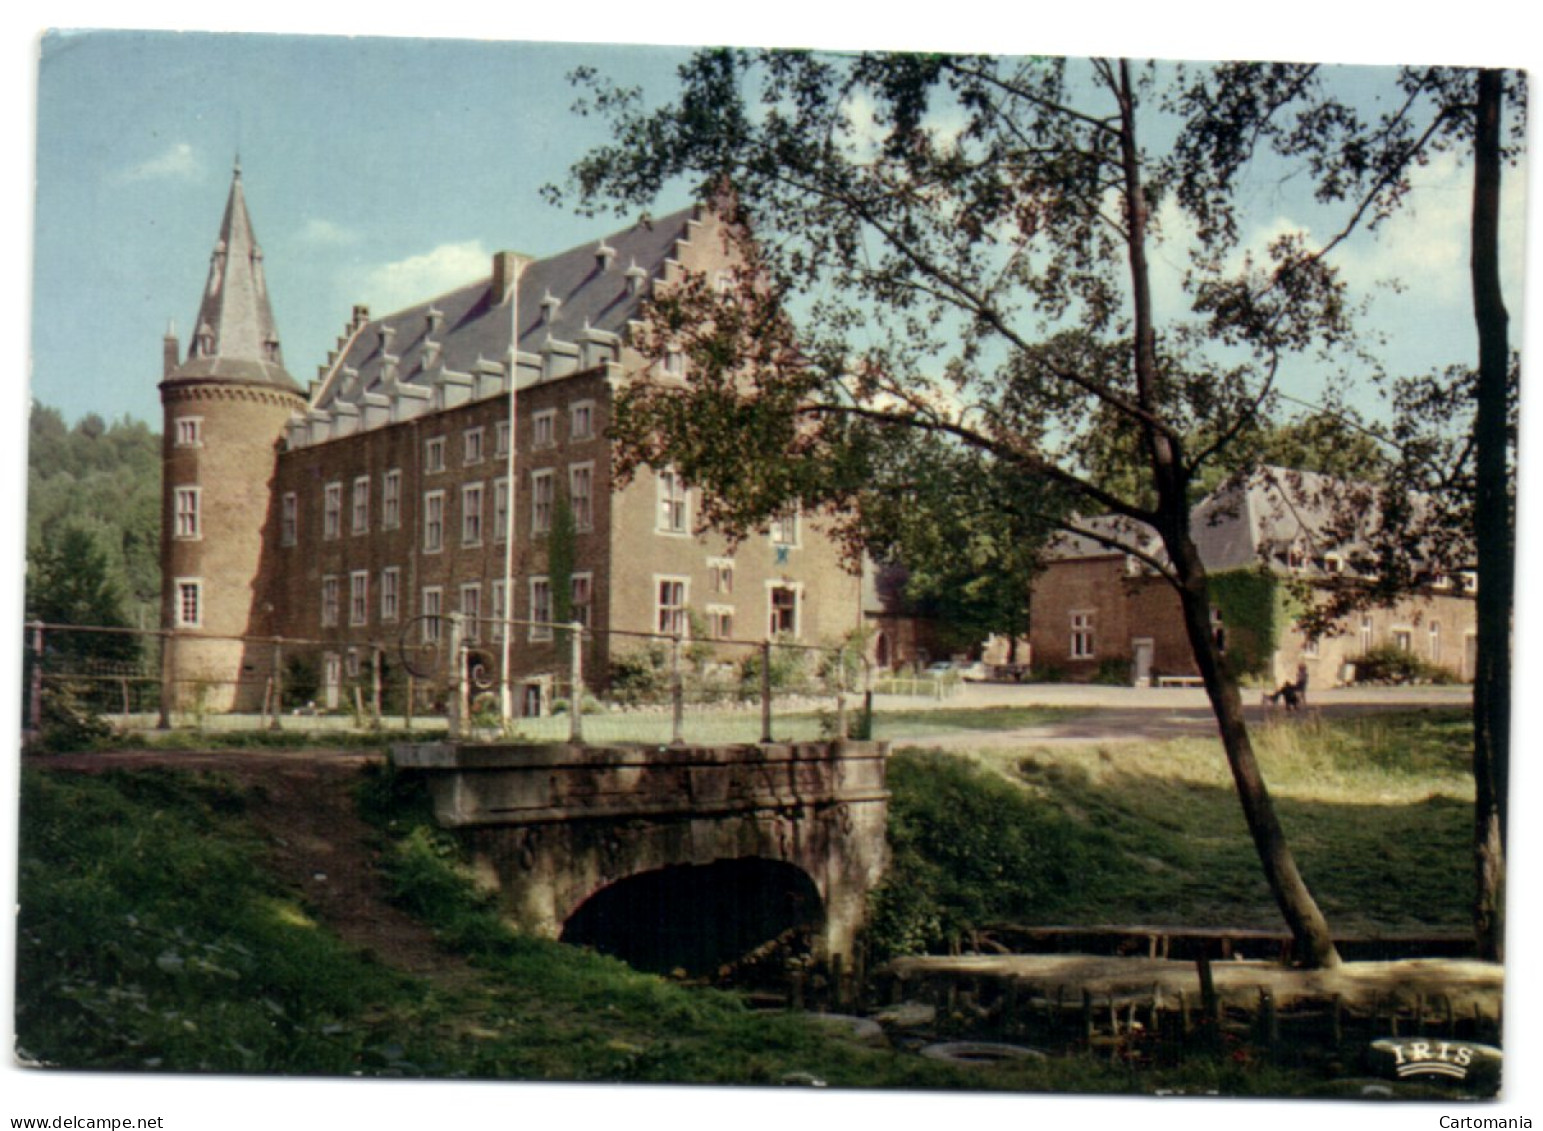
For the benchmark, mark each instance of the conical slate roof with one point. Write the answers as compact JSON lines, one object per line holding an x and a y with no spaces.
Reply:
{"x":235,"y":337}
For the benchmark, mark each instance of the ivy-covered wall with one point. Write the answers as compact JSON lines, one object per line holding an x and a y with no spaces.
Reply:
{"x":1255,"y":608}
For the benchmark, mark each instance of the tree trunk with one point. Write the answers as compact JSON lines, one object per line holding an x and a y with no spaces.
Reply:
{"x":1310,"y":930}
{"x":1494,"y":532}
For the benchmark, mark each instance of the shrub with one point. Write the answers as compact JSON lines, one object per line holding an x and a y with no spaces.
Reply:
{"x":1390,"y":664}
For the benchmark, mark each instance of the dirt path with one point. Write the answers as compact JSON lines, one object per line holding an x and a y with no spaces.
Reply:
{"x":302,"y":803}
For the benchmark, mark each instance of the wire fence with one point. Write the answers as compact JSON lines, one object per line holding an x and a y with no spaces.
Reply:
{"x":478,"y":677}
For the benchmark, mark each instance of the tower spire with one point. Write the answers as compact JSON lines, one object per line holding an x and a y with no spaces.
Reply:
{"x":235,"y":335}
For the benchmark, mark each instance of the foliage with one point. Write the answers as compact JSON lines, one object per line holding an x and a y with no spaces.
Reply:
{"x":1253,"y":605}
{"x":1391,"y":664}
{"x":68,"y":723}
{"x":70,"y":583}
{"x":104,"y":480}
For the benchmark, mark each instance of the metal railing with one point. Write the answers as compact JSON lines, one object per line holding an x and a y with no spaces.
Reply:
{"x":565,"y":682}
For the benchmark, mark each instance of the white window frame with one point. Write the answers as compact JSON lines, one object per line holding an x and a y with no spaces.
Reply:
{"x":189,"y":431}
{"x":581,"y":420}
{"x":501,"y":509}
{"x":472,"y":445}
{"x":671,"y":618}
{"x":390,"y":594}
{"x":331,"y":600}
{"x":433,"y":455}
{"x":433,"y":521}
{"x":289,"y":518}
{"x":360,"y":521}
{"x":672,"y":515}
{"x":543,"y":428}
{"x":471,"y":611}
{"x":1084,"y":640}
{"x":582,"y":503}
{"x":189,"y":590}
{"x":501,"y":439}
{"x":1403,"y":638}
{"x":359,"y":597}
{"x":1367,"y":632}
{"x":391,"y":499}
{"x":720,"y":622}
{"x":773,"y":587}
{"x":581,"y":597}
{"x":721,"y":573}
{"x":785,"y":530}
{"x":1433,"y":641}
{"x":332,"y":510}
{"x":499,"y":611}
{"x":431,"y":606}
{"x":187,"y":507}
{"x":540,"y":631}
{"x":471,"y":513}
{"x":543,"y":499}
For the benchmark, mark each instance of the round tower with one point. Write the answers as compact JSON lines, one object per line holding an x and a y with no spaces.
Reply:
{"x":224,"y":407}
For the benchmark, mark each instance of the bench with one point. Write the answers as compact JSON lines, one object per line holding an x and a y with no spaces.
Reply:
{"x":1180,"y":681}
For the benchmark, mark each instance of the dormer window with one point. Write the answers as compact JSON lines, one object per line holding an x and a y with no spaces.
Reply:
{"x":549,"y":306}
{"x":635,"y":278}
{"x":436,"y":319}
{"x":604,"y":256}
{"x":675,"y":362}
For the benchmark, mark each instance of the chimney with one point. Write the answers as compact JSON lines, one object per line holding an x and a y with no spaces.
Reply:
{"x":506,"y":273}
{"x":169,"y":350}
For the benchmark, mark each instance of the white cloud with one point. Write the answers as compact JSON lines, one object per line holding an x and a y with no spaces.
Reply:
{"x":176,"y":163}
{"x":419,"y":278}
{"x":325,"y":233}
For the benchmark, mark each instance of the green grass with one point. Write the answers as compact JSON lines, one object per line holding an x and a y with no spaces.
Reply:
{"x":1377,"y":811}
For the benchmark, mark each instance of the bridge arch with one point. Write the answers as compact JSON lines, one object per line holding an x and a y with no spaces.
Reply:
{"x":697,"y":917}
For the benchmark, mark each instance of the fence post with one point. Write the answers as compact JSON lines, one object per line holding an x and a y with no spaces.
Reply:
{"x":576,"y":683}
{"x":677,"y":696}
{"x":35,"y":685}
{"x":375,"y":654}
{"x":168,"y":678}
{"x":455,"y":708}
{"x":278,"y":684}
{"x":766,"y":692}
{"x":841,"y":695}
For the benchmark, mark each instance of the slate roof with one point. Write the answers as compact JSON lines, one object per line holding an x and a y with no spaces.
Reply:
{"x":1263,"y":519}
{"x":235,"y":337}
{"x":472,"y":326}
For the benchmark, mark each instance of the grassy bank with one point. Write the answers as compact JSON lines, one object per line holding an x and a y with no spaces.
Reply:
{"x":1377,"y":811}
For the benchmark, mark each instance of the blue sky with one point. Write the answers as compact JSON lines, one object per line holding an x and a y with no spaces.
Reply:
{"x":386,"y":170}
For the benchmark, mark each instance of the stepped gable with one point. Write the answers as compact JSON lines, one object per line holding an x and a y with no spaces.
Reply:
{"x":597,"y":286}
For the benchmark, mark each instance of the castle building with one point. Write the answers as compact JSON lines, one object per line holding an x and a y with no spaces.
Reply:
{"x":451,"y":457}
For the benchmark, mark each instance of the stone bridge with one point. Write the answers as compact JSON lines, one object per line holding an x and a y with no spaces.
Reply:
{"x":670,"y":857}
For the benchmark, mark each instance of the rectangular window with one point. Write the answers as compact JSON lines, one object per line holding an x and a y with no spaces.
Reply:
{"x":672,"y":503}
{"x":187,"y":512}
{"x":289,"y":519}
{"x":190,"y":431}
{"x":721,"y":573}
{"x":581,"y":420}
{"x":1310,"y":648}
{"x":433,"y":522}
{"x":471,"y":514}
{"x":720,"y":622}
{"x":784,"y":611}
{"x":330,"y":591}
{"x":434,"y":454}
{"x":473,"y":445}
{"x":501,"y":439}
{"x":351,"y":663}
{"x":581,"y":591}
{"x":542,"y":495}
{"x":391,"y":500}
{"x":581,"y":487}
{"x":1403,"y":639}
{"x":543,"y":428}
{"x":358,"y":597}
{"x":500,"y":509}
{"x":1082,"y":636}
{"x":431,"y":611}
{"x":1435,"y":642}
{"x":497,"y":612}
{"x":471,"y":611}
{"x":332,"y":510}
{"x":361,"y":522}
{"x":671,"y":606}
{"x":540,"y":608}
{"x":390,"y":593}
{"x":1366,"y":634}
{"x":784,"y":529}
{"x":190,"y":603}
